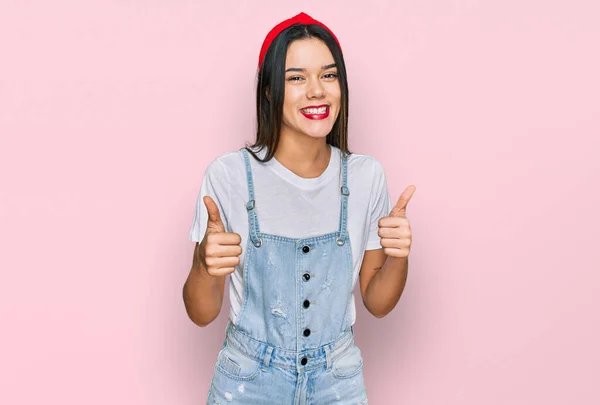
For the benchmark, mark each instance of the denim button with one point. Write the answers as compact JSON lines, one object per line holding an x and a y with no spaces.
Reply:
{"x":306,"y":332}
{"x":306,"y":249}
{"x":306,"y":303}
{"x":304,"y":361}
{"x":306,"y":276}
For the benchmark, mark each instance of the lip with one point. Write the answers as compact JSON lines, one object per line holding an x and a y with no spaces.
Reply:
{"x":316,"y":116}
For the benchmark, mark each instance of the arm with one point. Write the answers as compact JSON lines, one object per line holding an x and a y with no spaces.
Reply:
{"x":202,"y":293}
{"x":382,"y":281}
{"x":384,"y":271}
{"x":216,"y":251}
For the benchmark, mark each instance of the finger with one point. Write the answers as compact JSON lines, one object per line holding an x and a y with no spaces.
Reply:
{"x":213,"y":209}
{"x":393,"y":222}
{"x":214,"y":250}
{"x":396,"y":252}
{"x":221,"y":272}
{"x":398,"y":233}
{"x":395,"y":243}
{"x":224,"y":238}
{"x":400,"y":207}
{"x":221,"y":262}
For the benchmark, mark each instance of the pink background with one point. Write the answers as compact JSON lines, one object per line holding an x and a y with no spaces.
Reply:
{"x":110,"y":112}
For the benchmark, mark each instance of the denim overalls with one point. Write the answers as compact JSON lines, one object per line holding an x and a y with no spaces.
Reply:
{"x":293,"y":343}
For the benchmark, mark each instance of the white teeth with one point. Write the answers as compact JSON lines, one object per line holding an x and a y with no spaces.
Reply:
{"x":320,"y":110}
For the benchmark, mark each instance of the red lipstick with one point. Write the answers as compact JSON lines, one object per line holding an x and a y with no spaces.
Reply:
{"x":316,"y":116}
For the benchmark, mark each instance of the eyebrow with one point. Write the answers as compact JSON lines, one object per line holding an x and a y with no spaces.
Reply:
{"x":304,"y":70}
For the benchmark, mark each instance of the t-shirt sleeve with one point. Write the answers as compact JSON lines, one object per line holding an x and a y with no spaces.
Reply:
{"x":380,"y":204}
{"x":215,"y":185}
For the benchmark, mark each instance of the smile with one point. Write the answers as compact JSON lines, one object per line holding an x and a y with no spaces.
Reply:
{"x":316,"y":112}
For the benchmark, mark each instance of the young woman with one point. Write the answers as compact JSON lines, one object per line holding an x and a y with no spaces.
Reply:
{"x":295,"y":219}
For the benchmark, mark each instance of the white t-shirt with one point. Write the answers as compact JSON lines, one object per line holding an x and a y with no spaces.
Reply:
{"x":293,"y":206}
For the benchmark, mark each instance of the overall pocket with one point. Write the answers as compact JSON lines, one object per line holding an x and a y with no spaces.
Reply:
{"x":236,"y":365}
{"x":347,"y":363}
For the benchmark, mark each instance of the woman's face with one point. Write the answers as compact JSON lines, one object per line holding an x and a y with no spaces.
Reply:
{"x":312,"y":91}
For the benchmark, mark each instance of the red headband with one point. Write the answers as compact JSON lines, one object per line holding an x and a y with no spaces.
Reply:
{"x":301,"y":18}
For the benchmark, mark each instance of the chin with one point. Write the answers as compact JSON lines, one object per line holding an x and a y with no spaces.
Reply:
{"x":317,"y":135}
{"x":311,"y":129}
{"x":320,"y":132}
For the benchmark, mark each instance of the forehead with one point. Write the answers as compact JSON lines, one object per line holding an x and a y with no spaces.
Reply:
{"x":310,"y":53}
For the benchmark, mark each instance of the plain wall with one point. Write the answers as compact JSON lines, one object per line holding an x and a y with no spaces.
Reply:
{"x":110,"y":111}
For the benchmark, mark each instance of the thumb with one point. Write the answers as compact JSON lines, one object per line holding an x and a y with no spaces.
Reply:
{"x":213,"y":212}
{"x":399,"y":209}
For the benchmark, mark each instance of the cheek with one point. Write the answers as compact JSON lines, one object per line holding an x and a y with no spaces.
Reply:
{"x":335,"y":93}
{"x":290,"y":102}
{"x":336,"y":99}
{"x":288,"y":111}
{"x":289,"y":118}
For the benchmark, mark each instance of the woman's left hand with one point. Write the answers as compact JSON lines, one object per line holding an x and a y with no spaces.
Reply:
{"x":394,"y":230}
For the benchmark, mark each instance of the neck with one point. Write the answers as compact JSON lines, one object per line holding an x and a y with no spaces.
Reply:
{"x":303,"y":155}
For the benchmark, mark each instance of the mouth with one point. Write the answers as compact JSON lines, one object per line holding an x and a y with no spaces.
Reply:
{"x":317,"y":112}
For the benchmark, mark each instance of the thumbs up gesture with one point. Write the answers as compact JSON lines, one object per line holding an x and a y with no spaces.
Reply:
{"x":219,"y":250}
{"x":394,"y":230}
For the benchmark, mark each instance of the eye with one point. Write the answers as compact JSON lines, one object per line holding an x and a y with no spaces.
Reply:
{"x":331,"y":75}
{"x":295,"y":78}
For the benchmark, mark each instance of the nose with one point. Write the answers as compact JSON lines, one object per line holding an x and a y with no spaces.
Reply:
{"x":315,"y":89}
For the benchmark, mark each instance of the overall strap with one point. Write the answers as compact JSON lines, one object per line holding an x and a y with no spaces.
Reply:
{"x":345,"y":191}
{"x":251,"y":205}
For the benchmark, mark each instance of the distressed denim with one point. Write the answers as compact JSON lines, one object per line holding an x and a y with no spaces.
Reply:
{"x":293,"y":343}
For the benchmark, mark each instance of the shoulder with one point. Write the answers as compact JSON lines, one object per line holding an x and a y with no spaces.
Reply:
{"x":365,"y":166}
{"x":229,"y":157}
{"x":235,"y":158}
{"x":226,"y":162}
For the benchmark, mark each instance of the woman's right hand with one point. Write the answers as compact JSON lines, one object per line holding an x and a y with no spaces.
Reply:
{"x":219,"y":251}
